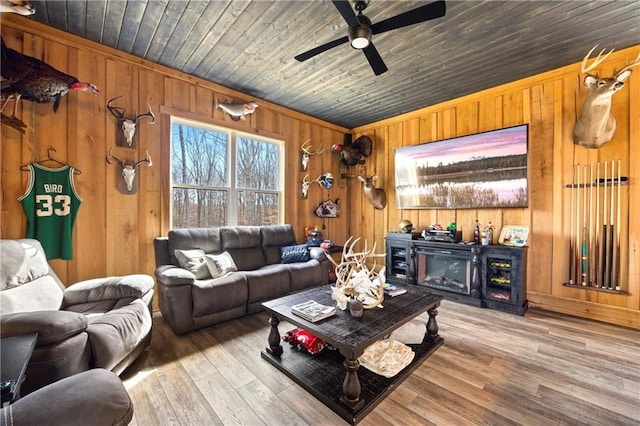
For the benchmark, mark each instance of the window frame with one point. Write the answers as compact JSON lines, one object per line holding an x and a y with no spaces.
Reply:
{"x":233,"y":135}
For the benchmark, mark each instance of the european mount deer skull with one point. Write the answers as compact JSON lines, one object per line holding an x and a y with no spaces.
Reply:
{"x":306,"y":153}
{"x":129,"y":171}
{"x":128,"y":125}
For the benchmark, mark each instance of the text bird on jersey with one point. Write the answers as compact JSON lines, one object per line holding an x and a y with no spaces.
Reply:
{"x":25,"y":77}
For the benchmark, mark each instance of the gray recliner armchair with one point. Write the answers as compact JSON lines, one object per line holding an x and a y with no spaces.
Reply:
{"x":96,"y":397}
{"x":98,"y":323}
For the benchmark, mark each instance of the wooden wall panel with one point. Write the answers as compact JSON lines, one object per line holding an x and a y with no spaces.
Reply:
{"x":114,"y":232}
{"x":549,"y":103}
{"x":110,"y":223}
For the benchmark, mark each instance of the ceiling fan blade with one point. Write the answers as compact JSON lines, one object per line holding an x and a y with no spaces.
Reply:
{"x":375,"y":60}
{"x":318,"y":50}
{"x":346,"y":10}
{"x":437,"y":9}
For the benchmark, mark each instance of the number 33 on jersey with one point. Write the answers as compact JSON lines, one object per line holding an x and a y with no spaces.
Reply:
{"x":51,"y":205}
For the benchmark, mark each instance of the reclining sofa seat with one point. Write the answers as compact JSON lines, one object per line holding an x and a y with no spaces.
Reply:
{"x":98,"y":323}
{"x":189,"y":304}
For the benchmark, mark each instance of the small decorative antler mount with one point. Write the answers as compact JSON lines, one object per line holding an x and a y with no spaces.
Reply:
{"x":126,"y":134}
{"x":128,"y":184}
{"x":306,"y":152}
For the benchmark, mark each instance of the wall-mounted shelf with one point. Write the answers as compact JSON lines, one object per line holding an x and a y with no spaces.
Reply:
{"x":587,"y":287}
{"x":601,"y":182}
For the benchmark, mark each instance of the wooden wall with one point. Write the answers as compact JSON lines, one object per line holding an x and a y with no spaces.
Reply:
{"x":548,"y":103}
{"x":114,"y":232}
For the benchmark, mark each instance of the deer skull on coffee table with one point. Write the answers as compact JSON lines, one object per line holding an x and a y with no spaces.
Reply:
{"x":355,"y":279}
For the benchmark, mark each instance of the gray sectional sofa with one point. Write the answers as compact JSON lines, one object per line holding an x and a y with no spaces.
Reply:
{"x":210,"y":275}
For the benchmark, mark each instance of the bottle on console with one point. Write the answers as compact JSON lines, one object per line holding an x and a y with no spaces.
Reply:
{"x":476,"y":233}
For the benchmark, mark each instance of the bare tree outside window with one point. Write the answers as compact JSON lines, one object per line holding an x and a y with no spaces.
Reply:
{"x":200,"y":173}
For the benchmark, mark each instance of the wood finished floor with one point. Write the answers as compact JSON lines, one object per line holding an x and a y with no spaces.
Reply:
{"x":493,"y":369}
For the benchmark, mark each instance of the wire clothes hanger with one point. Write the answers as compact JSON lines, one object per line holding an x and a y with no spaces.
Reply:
{"x":25,"y":168}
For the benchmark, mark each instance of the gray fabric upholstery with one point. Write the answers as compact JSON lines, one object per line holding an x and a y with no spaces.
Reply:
{"x":244,"y":243}
{"x":274,"y":237}
{"x":219,"y":294}
{"x":100,"y":322}
{"x":117,"y":333}
{"x":96,"y":397}
{"x":51,"y":326}
{"x":188,"y":303}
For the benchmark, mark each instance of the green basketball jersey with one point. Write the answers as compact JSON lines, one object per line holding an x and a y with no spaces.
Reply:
{"x":51,"y":205}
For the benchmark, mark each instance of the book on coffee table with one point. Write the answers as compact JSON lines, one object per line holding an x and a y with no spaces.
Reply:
{"x":313,"y":311}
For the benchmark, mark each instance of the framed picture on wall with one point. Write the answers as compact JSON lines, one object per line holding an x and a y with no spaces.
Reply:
{"x":483,"y":170}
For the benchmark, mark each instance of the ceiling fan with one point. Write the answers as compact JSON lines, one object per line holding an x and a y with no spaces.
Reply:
{"x":361,"y":29}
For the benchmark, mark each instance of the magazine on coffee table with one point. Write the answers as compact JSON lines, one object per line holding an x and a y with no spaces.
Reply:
{"x":313,"y":311}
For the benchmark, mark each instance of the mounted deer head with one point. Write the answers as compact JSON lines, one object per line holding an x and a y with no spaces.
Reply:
{"x":129,"y":168}
{"x":128,"y":125}
{"x":596,"y":125}
{"x":306,"y":153}
{"x":376,"y":196}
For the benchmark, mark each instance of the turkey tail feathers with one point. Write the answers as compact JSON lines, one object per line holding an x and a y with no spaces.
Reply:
{"x":364,"y":145}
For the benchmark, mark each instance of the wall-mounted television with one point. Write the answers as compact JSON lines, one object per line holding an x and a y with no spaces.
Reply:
{"x":483,"y":170}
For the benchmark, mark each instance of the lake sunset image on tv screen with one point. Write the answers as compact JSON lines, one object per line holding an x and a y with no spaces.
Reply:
{"x":481,"y":170}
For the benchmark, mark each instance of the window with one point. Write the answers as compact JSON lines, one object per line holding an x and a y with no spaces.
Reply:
{"x":221,"y":177}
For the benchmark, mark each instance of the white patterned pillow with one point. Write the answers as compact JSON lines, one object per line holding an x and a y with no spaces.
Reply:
{"x":194,"y":261}
{"x":220,"y":264}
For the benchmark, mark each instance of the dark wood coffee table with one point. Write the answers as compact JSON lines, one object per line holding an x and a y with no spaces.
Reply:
{"x":334,"y":377}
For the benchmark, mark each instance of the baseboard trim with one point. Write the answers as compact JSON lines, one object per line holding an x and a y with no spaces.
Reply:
{"x":610,"y":314}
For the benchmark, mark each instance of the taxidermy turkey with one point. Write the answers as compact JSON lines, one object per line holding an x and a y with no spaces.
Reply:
{"x":352,"y":153}
{"x":25,"y":77}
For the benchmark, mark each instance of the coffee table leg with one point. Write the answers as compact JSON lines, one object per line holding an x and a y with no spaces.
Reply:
{"x":432,"y":325}
{"x":351,"y":385}
{"x":274,"y":337}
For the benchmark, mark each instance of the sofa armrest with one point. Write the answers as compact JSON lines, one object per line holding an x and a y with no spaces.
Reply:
{"x":111,"y":288}
{"x":174,"y":275}
{"x":318,"y":253}
{"x":51,"y":326}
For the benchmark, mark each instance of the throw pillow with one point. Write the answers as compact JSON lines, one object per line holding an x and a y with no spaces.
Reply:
{"x":194,"y":261}
{"x":294,"y":254}
{"x":220,"y":264}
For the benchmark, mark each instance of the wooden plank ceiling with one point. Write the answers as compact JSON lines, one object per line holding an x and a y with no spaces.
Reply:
{"x":250,"y":46}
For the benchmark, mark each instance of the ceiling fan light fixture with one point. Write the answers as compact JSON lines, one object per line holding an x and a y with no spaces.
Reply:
{"x":360,"y":37}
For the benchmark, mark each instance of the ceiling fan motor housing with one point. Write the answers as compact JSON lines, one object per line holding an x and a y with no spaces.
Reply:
{"x":360,"y":36}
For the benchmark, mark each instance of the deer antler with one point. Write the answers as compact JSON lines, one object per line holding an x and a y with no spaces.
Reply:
{"x":117,"y":112}
{"x":631,"y":65}
{"x":110,"y":156}
{"x":147,"y":159}
{"x":149,"y":113}
{"x":597,"y":61}
{"x":307,"y":148}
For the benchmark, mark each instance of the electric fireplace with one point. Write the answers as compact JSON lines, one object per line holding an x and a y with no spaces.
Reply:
{"x":449,"y":267}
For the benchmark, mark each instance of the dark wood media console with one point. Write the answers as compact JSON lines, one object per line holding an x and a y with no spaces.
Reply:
{"x":492,"y":276}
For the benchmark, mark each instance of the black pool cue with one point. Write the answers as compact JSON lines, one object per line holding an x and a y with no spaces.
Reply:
{"x":603,"y":281}
{"x":584,"y":248}
{"x":596,"y":263}
{"x":610,"y":235}
{"x":590,"y":272}
{"x":618,"y":226}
